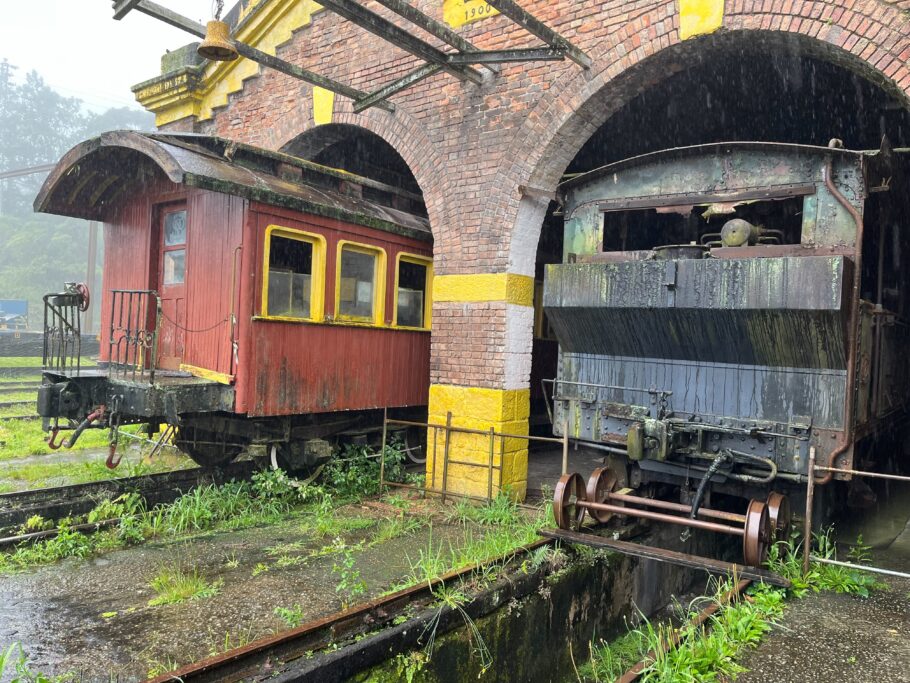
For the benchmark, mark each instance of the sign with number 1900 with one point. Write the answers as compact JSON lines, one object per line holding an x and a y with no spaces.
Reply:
{"x":460,"y":12}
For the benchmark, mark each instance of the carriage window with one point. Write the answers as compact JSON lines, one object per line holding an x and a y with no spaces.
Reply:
{"x":294,"y":275}
{"x":360,"y":278}
{"x":174,"y":247}
{"x":412,"y":292}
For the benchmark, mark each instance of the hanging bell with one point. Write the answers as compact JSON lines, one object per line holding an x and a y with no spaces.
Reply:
{"x":217,"y":45}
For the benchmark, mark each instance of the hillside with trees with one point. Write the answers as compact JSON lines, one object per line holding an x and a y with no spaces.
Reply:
{"x":39,"y":252}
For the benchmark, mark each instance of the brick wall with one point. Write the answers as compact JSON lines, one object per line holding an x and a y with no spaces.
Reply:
{"x":471,"y":147}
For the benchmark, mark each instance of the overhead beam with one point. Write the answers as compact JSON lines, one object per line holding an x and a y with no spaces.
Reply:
{"x":431,"y":26}
{"x":402,"y":83}
{"x":168,"y":16}
{"x":536,"y":27}
{"x":534,"y":54}
{"x":385,"y":29}
{"x":123,"y":7}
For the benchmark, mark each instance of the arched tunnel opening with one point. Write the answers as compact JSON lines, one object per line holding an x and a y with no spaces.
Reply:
{"x":748,"y":86}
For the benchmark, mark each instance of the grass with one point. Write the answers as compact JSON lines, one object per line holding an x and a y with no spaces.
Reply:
{"x":20,"y":438}
{"x":34,"y":361}
{"x":706,"y":652}
{"x":173,"y":584}
{"x":709,"y":652}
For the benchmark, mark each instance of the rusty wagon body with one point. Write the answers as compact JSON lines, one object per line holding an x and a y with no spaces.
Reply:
{"x":249,"y":296}
{"x":744,"y":299}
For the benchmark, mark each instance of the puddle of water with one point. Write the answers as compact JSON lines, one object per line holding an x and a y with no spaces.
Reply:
{"x":93,"y":617}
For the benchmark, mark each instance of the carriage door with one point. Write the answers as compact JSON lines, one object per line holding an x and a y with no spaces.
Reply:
{"x":172,"y":286}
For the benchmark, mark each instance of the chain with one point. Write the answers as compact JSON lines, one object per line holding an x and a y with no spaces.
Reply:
{"x":219,"y":6}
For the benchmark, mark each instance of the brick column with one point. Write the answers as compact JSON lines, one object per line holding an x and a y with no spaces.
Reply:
{"x":481,"y":362}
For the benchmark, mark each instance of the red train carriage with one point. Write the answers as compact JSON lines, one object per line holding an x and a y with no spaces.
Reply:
{"x":249,"y":296}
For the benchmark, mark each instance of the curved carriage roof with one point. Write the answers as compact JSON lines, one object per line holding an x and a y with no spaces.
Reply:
{"x":93,"y":176}
{"x":712,"y":148}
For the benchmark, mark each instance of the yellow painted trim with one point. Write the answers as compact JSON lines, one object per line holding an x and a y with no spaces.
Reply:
{"x":219,"y":377}
{"x":697,"y":17}
{"x":323,"y":105}
{"x":265,"y":25}
{"x":428,"y":295}
{"x":457,"y":13}
{"x":317,"y":278}
{"x":379,"y":283}
{"x":507,"y":287}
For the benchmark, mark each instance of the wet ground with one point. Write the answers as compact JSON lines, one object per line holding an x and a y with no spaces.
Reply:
{"x":831,"y":637}
{"x":93,"y":617}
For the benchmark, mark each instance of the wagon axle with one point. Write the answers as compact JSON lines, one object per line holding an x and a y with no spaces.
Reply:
{"x":763,"y":523}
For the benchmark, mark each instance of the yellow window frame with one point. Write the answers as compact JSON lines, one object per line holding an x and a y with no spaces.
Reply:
{"x":428,"y":295}
{"x":317,"y":282}
{"x":379,"y":283}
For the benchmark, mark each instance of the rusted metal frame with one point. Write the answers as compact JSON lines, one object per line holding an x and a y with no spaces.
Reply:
{"x":530,"y":54}
{"x":466,"y":430}
{"x":168,"y":16}
{"x":686,"y":198}
{"x":490,"y":472}
{"x":676,"y":507}
{"x":123,"y":7}
{"x":670,"y":556}
{"x":635,"y":672}
{"x":385,"y":428}
{"x":385,"y":29}
{"x":660,"y":517}
{"x":445,"y":454}
{"x":431,"y":26}
{"x":536,"y":27}
{"x":565,"y":446}
{"x":861,"y":473}
{"x":807,"y":519}
{"x":403,"y":83}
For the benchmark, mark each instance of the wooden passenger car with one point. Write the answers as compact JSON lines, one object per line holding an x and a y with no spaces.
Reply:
{"x":746,"y":299}
{"x":262,"y":298}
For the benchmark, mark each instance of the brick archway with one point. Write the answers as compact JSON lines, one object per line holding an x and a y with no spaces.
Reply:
{"x":400,"y":132}
{"x":872,"y":40}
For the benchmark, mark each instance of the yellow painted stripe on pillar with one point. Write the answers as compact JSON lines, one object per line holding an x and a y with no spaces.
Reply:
{"x":323,"y":105}
{"x":697,"y":17}
{"x":508,"y":287}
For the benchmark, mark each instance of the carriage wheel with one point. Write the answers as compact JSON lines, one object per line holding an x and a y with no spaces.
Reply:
{"x":569,"y":490}
{"x":206,"y":449}
{"x":601,"y":482}
{"x":779,"y":512}
{"x":757,"y":534}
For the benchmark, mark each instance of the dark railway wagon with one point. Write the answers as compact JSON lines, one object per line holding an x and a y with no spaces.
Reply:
{"x":249,"y":296}
{"x":733,"y":306}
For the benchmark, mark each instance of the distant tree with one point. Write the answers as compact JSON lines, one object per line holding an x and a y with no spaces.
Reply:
{"x":39,"y":252}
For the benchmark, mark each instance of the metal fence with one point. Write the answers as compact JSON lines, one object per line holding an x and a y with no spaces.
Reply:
{"x":807,"y":522}
{"x":133,"y":333}
{"x":494,"y":468}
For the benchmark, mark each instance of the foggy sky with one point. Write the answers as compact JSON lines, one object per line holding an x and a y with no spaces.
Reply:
{"x":82,"y":52}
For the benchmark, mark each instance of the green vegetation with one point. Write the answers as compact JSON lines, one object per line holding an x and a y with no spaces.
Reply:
{"x":355,"y":473}
{"x":292,"y":616}
{"x":33,"y":361}
{"x":350,"y":584}
{"x":20,"y":438}
{"x":701,"y":653}
{"x":173,"y":584}
{"x":708,"y":652}
{"x":14,"y":667}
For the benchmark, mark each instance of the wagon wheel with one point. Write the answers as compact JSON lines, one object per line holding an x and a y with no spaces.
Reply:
{"x":757,"y":534}
{"x":779,"y":512}
{"x":415,"y":441}
{"x":601,"y":482}
{"x":569,"y":490}
{"x":207,"y":449}
{"x":86,"y":296}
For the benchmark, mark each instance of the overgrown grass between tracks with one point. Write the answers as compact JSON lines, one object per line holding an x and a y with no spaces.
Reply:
{"x":709,"y":652}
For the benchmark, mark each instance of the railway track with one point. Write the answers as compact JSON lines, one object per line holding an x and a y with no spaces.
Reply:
{"x":16,"y":387}
{"x":77,"y":499}
{"x":287,"y":656}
